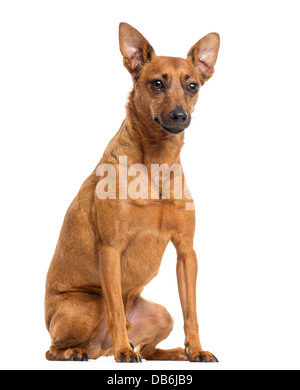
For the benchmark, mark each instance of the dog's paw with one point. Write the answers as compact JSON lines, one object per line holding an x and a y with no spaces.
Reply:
{"x":127,"y":355}
{"x":200,"y":356}
{"x":76,"y":355}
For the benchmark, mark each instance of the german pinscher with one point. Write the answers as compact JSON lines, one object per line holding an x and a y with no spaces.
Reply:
{"x":111,"y":246}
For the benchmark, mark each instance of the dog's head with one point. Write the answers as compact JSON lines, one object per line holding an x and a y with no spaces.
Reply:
{"x":166,"y":88}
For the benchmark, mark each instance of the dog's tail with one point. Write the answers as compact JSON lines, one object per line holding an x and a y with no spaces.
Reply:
{"x":49,"y":356}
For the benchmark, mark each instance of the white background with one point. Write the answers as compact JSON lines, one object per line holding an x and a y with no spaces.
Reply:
{"x":63,"y":91}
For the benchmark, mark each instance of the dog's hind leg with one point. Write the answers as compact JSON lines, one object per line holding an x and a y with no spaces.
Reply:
{"x":74,"y":324}
{"x":152,"y":323}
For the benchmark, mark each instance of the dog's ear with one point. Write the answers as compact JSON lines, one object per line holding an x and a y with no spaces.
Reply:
{"x":136,"y":50}
{"x":204,"y":55}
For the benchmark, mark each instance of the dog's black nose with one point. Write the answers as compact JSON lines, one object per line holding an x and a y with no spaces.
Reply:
{"x":178,"y":116}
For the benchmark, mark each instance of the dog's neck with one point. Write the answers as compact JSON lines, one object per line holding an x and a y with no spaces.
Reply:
{"x":156,"y":146}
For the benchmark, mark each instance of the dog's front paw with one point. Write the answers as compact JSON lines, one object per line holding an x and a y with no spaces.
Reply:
{"x":127,"y":355}
{"x":199,"y":356}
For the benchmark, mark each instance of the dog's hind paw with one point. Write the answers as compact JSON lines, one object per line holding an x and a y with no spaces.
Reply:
{"x":76,"y":355}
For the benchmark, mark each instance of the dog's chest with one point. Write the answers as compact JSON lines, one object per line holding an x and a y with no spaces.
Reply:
{"x":150,"y":234}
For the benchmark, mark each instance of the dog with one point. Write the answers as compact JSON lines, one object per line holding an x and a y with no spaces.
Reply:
{"x":111,"y":246}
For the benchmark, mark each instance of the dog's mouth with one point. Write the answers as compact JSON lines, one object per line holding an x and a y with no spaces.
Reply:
{"x":169,"y":130}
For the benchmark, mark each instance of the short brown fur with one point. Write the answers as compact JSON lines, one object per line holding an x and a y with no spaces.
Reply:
{"x":109,"y":249}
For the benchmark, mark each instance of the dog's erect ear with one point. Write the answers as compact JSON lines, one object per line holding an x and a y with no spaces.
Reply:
{"x":204,"y":55}
{"x":135,"y":49}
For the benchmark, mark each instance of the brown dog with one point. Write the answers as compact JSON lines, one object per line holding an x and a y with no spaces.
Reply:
{"x":111,"y":246}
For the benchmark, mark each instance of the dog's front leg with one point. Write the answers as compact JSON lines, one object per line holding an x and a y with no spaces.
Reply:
{"x":186,"y":277}
{"x":110,"y":274}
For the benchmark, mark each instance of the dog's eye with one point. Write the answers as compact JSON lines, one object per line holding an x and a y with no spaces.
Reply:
{"x":157,"y":84}
{"x":193,"y":87}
